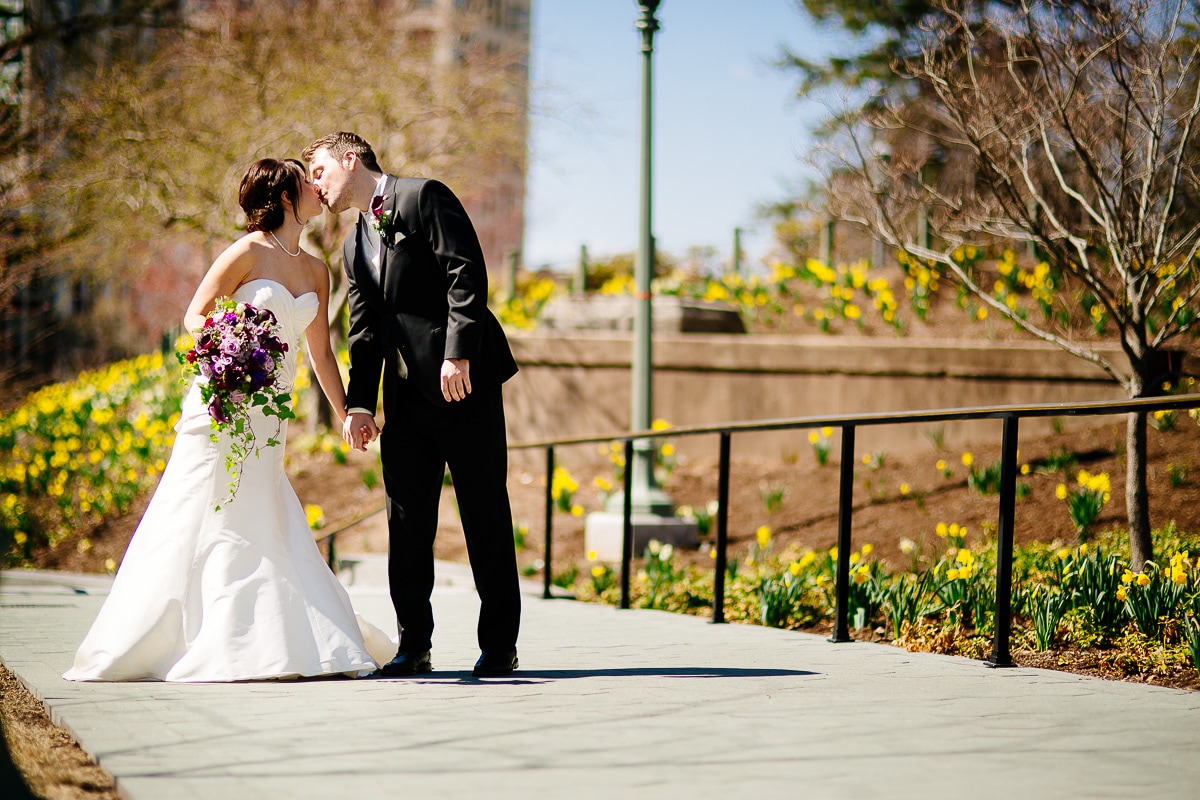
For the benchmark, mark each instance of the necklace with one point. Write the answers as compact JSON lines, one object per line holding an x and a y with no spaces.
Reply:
{"x":284,"y":249}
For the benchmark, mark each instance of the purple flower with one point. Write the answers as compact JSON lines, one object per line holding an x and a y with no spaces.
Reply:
{"x":216,"y":412}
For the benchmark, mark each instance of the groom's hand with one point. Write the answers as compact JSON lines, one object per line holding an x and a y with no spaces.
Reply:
{"x":358,"y":430}
{"x":456,"y":379}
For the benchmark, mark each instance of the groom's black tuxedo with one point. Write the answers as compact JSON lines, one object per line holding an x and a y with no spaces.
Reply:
{"x":428,"y":304}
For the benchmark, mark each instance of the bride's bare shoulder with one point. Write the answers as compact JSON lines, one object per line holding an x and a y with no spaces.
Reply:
{"x":239,"y":258}
{"x":252,"y":244}
{"x":317,"y":273}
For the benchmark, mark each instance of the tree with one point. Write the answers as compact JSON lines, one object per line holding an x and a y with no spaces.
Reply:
{"x":1069,"y":127}
{"x":34,"y":35}
{"x":893,"y":27}
{"x":142,"y":185}
{"x":895,"y":31}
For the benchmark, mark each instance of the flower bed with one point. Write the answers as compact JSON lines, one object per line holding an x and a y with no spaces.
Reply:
{"x":80,"y":451}
{"x":1064,"y":598}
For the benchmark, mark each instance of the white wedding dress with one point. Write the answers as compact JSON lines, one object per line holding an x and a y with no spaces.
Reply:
{"x":236,"y":594}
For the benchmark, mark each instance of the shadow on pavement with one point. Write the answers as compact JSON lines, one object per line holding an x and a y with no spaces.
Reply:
{"x":532,"y":675}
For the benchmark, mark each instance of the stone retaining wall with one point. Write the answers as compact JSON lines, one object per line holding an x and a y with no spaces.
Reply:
{"x":578,"y":385}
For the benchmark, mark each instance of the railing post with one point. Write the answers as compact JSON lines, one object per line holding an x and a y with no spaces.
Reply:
{"x":547,"y":554}
{"x":627,"y":525}
{"x":841,"y":630}
{"x":1004,"y":546}
{"x":718,"y":613}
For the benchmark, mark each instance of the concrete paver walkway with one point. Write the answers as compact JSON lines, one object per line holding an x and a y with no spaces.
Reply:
{"x":612,"y":703}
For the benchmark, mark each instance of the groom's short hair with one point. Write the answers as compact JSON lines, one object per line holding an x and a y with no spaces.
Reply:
{"x":340,"y":143}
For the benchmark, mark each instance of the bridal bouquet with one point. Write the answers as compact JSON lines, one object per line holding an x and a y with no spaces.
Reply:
{"x":237,"y":355}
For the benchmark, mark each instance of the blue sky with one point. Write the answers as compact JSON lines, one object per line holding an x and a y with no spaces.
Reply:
{"x":729,"y":132}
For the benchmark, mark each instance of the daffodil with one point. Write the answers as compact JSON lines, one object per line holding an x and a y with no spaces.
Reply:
{"x":763,"y":536}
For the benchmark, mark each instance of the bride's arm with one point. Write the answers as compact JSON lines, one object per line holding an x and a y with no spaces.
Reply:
{"x":223,"y":277}
{"x":321,"y":354}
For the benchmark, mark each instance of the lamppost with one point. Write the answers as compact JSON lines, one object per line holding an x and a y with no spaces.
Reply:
{"x":647,"y":497}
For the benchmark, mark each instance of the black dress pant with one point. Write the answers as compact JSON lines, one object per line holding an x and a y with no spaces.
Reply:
{"x":418,"y":442}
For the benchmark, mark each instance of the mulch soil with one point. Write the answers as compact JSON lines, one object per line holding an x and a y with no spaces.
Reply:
{"x":52,"y":763}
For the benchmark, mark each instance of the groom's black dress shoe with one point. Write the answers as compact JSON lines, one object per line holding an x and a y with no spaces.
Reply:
{"x":404,"y":664}
{"x":493,"y":663}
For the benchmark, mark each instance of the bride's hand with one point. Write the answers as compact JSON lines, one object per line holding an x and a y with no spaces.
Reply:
{"x":359,"y":430}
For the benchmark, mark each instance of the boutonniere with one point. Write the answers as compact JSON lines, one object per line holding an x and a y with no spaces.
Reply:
{"x":381,"y":220}
{"x":379,"y":217}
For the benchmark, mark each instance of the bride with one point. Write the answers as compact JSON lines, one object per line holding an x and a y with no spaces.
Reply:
{"x":240,"y":593}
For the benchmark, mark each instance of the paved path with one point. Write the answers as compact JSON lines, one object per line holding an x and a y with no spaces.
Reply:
{"x":612,"y":704}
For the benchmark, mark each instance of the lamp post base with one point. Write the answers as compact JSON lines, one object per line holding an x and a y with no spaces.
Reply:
{"x":603,"y":531}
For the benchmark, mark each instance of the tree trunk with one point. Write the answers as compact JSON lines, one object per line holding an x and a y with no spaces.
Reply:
{"x":1137,"y":500}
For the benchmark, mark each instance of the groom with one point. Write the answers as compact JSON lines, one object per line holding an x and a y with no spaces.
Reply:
{"x":418,"y":314}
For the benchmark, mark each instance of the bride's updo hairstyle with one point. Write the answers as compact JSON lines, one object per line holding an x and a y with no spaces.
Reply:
{"x":264,"y":186}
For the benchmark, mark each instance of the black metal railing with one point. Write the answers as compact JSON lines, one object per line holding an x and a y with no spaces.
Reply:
{"x":1009,"y":415}
{"x":329,"y":538}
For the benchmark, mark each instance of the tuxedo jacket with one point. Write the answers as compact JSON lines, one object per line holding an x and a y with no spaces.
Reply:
{"x":429,"y":303}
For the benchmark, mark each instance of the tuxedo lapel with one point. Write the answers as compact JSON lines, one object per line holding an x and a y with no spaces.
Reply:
{"x":394,"y":229}
{"x":351,"y":250}
{"x":364,"y":275}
